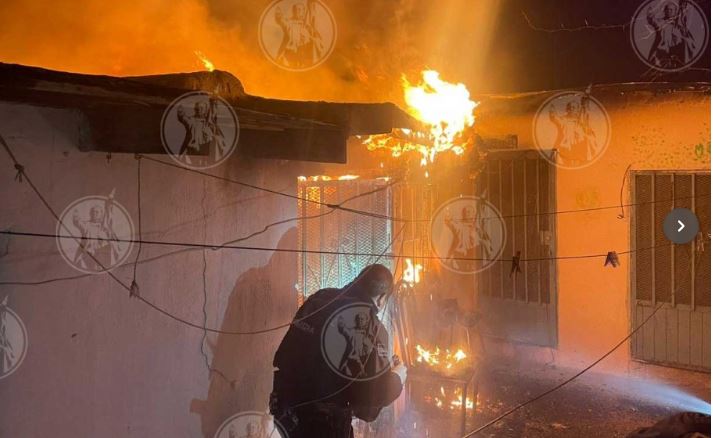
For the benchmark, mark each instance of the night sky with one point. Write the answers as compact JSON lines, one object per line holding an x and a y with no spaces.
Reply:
{"x":530,"y":59}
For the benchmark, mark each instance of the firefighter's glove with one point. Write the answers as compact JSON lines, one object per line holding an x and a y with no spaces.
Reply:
{"x":401,"y":371}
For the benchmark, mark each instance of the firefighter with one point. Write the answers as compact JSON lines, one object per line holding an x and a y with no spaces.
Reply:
{"x":682,"y":425}
{"x":315,"y":398}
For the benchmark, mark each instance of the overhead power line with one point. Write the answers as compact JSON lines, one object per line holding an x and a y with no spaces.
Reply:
{"x":376,"y":215}
{"x":581,"y":372}
{"x":307,"y":251}
{"x":131,"y":289}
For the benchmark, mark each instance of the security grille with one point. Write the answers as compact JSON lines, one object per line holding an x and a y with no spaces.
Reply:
{"x":359,"y":239}
{"x":521,"y":306}
{"x":414,"y":201}
{"x":674,"y":276}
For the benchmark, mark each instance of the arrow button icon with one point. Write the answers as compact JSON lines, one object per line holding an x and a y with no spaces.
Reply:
{"x":680,"y":225}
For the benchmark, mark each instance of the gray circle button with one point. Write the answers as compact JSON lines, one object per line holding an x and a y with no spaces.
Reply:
{"x":680,"y":225}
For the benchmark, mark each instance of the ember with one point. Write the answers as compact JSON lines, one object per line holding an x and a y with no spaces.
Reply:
{"x":443,"y":360}
{"x":452,"y":400}
{"x":412,"y":273}
{"x":328,"y":178}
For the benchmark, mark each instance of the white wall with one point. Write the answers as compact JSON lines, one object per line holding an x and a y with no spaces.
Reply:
{"x":101,"y":364}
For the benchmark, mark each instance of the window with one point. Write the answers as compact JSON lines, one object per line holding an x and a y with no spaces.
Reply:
{"x":323,"y":230}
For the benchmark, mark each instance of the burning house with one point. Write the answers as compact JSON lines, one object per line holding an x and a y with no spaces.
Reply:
{"x":164,"y":239}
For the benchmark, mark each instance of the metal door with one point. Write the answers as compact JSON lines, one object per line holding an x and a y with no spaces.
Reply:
{"x":674,"y":276}
{"x":521,"y":307}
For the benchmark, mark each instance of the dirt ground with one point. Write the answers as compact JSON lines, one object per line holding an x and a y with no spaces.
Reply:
{"x":595,"y":405}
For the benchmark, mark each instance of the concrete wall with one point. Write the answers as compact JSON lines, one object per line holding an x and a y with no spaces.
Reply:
{"x":649,"y":130}
{"x":101,"y":364}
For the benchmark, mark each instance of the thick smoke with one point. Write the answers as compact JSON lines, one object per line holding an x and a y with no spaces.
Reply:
{"x":378,"y":41}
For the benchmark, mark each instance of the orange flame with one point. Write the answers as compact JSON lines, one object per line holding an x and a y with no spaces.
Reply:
{"x":204,"y":59}
{"x":446,"y":109}
{"x":456,"y":400}
{"x":328,"y":178}
{"x":412,"y":273}
{"x":439,"y":358}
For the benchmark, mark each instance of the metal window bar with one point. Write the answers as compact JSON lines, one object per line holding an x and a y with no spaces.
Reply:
{"x":340,"y":232}
{"x":677,"y":276}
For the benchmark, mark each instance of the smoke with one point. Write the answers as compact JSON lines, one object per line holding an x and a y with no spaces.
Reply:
{"x":377,"y":42}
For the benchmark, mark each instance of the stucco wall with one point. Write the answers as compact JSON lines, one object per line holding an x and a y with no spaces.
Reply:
{"x":101,"y":364}
{"x":662,"y":130}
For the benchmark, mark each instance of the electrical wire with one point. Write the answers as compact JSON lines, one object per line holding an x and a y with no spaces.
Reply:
{"x":161,"y":256}
{"x":274,"y":192}
{"x":252,"y":332}
{"x":621,"y":206}
{"x":393,"y":182}
{"x":138,"y":208}
{"x":322,"y":252}
{"x":578,"y":374}
{"x":22,"y":173}
{"x":621,"y":191}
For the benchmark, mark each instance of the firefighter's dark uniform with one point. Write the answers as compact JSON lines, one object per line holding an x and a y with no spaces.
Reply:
{"x":310,"y":399}
{"x":682,"y":425}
